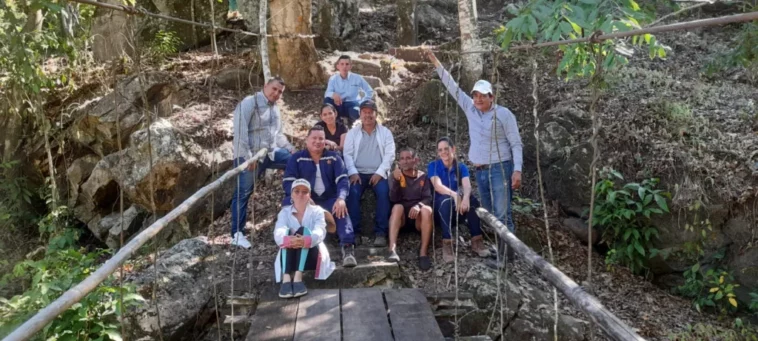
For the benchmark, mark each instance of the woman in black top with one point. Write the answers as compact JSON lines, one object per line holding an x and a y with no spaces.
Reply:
{"x":334,"y":130}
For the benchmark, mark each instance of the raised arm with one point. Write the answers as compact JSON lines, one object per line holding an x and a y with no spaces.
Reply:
{"x":463,"y":99}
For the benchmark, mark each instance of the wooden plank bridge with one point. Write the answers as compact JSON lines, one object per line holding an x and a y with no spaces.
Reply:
{"x":378,"y":314}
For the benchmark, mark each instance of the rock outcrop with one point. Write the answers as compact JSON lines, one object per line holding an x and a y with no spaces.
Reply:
{"x":184,"y":289}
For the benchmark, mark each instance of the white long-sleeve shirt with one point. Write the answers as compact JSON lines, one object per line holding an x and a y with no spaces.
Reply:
{"x":258,"y":124}
{"x":287,"y":224}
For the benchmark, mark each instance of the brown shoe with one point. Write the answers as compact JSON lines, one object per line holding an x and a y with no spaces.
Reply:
{"x":477,"y":244}
{"x":447,"y":251}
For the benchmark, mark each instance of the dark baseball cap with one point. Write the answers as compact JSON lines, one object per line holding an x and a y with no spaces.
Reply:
{"x":368,"y":104}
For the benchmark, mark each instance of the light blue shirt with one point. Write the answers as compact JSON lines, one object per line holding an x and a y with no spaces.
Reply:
{"x":348,"y":87}
{"x":484,"y":150}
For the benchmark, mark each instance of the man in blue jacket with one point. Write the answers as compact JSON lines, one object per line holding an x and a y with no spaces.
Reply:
{"x":326,"y":172}
{"x":342,"y":90}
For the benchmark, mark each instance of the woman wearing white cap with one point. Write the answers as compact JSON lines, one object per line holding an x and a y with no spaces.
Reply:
{"x":299,"y":233}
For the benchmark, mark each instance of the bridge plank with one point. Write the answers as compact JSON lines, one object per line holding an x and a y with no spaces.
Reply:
{"x":318,"y":316}
{"x":412,"y":318}
{"x":364,"y":316}
{"x":274,"y":320}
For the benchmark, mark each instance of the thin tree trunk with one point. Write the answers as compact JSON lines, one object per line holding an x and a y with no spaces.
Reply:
{"x":293,"y":57}
{"x":472,"y":62}
{"x":263,"y":39}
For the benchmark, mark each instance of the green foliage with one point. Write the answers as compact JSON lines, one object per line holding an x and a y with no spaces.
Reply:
{"x":745,"y":55}
{"x":753,"y":302}
{"x":94,"y":317}
{"x":553,"y":20}
{"x":16,"y":193}
{"x":625,"y":215}
{"x":165,"y":44}
{"x":714,"y":289}
{"x":740,"y":331}
{"x":524,"y":206}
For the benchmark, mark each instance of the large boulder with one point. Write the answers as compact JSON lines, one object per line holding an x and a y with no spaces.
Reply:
{"x":123,"y":109}
{"x":334,"y":23}
{"x":180,"y":168}
{"x":77,"y":173}
{"x":183,"y":291}
{"x":115,"y":225}
{"x":526,"y":308}
{"x":111,"y":32}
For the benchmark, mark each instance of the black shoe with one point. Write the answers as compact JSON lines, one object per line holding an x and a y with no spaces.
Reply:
{"x":424,"y":263}
{"x":348,"y":256}
{"x":298,"y":289}
{"x":286,"y":290}
{"x":393,"y":257}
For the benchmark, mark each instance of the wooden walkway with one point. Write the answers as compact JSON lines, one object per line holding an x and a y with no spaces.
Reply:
{"x":346,"y":315}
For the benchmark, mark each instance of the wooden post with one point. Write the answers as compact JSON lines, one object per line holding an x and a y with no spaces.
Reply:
{"x":73,"y":295}
{"x":609,"y":323}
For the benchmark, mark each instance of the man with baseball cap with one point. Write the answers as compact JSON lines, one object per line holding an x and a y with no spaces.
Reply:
{"x":495,"y":148}
{"x":369,"y":153}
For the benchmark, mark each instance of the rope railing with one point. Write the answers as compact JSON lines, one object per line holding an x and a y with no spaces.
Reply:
{"x":131,"y":10}
{"x":607,"y":321}
{"x":73,"y":295}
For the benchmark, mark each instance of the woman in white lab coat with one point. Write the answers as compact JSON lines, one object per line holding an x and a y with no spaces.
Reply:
{"x":300,"y":231}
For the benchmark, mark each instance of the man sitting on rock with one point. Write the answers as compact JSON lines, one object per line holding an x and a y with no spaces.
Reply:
{"x":342,"y":90}
{"x":411,"y":194}
{"x":257,"y":124}
{"x":369,"y":153}
{"x":325,"y":171}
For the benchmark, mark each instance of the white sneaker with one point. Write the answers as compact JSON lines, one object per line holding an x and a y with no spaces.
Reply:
{"x":240,"y":240}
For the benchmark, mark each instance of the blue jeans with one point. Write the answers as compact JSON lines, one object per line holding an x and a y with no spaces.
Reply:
{"x":348,"y":109}
{"x":382,"y":191}
{"x":497,"y":198}
{"x":246,"y":184}
{"x":445,"y":215}
{"x":344,"y":225}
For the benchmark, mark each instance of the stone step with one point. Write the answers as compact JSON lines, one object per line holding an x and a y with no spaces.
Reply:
{"x":377,"y":273}
{"x":241,"y":322}
{"x":363,"y":253}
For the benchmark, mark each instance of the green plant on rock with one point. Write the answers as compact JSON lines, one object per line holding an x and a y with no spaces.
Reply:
{"x":714,"y":289}
{"x":165,"y":44}
{"x":625,"y":215}
{"x":525,"y":205}
{"x":95,"y":317}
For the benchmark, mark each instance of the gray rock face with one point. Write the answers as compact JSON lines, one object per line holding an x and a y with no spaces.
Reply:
{"x":113,"y":225}
{"x":184,"y":289}
{"x":123,"y":108}
{"x":580,"y":229}
{"x":526,"y":308}
{"x":429,"y":18}
{"x":335,"y":22}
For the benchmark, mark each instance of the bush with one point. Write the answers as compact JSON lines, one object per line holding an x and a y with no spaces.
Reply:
{"x":715,"y":289}
{"x":94,"y":317}
{"x":625,"y":216}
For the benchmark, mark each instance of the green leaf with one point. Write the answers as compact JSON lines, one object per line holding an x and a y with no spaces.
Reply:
{"x":641,"y":192}
{"x":113,"y":334}
{"x":576,"y":28}
{"x":589,"y":2}
{"x":639,"y":248}
{"x":532,"y":25}
{"x":565,"y":27}
{"x":661,"y":201}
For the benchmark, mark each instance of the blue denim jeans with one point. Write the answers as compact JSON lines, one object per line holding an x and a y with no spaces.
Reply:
{"x":348,"y":109}
{"x":445,"y":214}
{"x":382,"y":191}
{"x":344,"y":225}
{"x":497,"y":197}
{"x":246,"y":184}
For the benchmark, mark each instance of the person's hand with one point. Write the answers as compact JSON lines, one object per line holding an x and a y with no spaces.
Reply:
{"x":252,"y":166}
{"x":375,"y":179}
{"x":337,"y":99}
{"x":397,"y":174}
{"x":355,"y":179}
{"x":430,"y":55}
{"x":516,"y":180}
{"x":339,"y":209}
{"x":413,"y":213}
{"x":456,"y":198}
{"x":296,"y":242}
{"x":330,"y":145}
{"x":464,"y":206}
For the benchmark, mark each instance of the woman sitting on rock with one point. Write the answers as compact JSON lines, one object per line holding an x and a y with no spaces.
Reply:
{"x":334,"y":130}
{"x":299,"y":233}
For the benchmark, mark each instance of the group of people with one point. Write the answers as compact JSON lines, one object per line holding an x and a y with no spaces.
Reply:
{"x":323,"y":184}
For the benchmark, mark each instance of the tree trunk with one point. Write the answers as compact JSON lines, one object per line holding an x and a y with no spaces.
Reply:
{"x":472,"y":62}
{"x":263,"y":40}
{"x":406,"y":22}
{"x":293,"y":58}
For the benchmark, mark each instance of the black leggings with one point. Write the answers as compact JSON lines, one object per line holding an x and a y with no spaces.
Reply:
{"x":299,"y":259}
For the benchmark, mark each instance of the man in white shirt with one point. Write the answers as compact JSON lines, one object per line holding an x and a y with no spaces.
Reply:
{"x":369,"y":153}
{"x":257,"y":124}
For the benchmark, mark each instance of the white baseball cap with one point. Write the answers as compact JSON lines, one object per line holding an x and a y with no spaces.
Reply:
{"x":301,"y":182}
{"x":483,"y":87}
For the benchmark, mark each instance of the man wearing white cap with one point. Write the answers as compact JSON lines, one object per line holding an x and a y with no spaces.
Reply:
{"x":495,"y":149}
